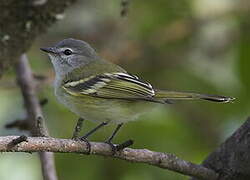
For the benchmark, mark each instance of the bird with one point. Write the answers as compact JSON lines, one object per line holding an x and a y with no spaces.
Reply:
{"x":97,"y":90}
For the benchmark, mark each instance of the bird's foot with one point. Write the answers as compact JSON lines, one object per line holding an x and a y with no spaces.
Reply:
{"x":84,"y":138}
{"x":112,"y":146}
{"x":125,"y":144}
{"x":86,"y":141}
{"x":115,"y":148}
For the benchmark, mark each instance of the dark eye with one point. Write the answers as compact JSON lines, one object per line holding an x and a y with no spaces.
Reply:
{"x":67,"y":52}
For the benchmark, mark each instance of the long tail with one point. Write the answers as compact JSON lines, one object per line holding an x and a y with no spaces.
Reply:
{"x":166,"y":96}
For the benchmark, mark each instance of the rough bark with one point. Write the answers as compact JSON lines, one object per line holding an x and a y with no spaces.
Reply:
{"x":21,"y":22}
{"x":232,"y":159}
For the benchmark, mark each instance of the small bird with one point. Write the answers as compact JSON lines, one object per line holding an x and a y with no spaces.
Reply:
{"x":98,"y":90}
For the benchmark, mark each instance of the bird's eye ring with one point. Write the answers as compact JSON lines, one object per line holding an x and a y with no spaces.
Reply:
{"x":67,"y":52}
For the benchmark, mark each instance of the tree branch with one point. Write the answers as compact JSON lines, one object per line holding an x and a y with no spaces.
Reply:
{"x":162,"y":160}
{"x":231,"y":160}
{"x":34,"y":114}
{"x":26,"y":83}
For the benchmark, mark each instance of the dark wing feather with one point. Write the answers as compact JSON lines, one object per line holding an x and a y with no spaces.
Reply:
{"x":112,"y":86}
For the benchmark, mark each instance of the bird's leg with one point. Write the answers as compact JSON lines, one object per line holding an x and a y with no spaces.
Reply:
{"x":120,"y":146}
{"x":94,"y":130}
{"x":109,"y":140}
{"x":84,"y":138}
{"x":77,"y":128}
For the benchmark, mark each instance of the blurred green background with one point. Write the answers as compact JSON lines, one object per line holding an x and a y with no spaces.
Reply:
{"x":188,"y":45}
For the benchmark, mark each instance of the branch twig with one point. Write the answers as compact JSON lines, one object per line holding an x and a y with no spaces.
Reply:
{"x":34,"y":114}
{"x":162,"y":160}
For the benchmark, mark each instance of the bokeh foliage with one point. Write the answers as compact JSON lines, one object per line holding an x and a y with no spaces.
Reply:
{"x":178,"y":45}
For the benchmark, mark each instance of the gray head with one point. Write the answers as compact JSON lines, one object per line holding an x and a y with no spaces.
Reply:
{"x":69,"y":54}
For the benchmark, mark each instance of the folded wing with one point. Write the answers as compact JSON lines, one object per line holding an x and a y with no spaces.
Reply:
{"x":112,"y":86}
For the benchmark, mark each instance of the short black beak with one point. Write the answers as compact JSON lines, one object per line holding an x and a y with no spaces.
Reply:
{"x":48,"y":49}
